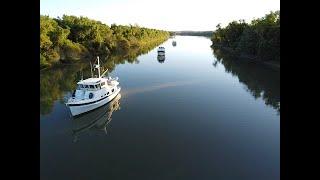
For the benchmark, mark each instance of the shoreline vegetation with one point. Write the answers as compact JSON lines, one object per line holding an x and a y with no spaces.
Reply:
{"x":258,"y":41}
{"x":70,"y":39}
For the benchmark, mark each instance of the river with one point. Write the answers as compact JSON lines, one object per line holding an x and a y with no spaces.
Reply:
{"x":197,"y":114}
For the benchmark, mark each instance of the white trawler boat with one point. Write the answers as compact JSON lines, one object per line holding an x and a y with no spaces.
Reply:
{"x":92,"y":93}
{"x":161,"y":51}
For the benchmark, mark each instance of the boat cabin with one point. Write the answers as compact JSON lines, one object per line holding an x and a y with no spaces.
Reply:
{"x":91,"y":84}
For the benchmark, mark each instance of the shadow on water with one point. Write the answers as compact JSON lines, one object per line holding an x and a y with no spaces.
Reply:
{"x":96,"y":120}
{"x":259,"y":80}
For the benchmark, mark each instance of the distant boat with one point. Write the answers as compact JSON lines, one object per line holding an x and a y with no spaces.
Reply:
{"x":161,"y":51}
{"x":92,"y":93}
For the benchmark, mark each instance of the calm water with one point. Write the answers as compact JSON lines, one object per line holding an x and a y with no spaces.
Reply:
{"x":197,"y":114}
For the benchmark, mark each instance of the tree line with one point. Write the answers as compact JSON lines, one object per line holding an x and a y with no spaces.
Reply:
{"x":71,"y":38}
{"x":259,"y":39}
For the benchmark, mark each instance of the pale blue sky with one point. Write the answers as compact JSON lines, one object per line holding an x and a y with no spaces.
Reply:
{"x":162,"y":14}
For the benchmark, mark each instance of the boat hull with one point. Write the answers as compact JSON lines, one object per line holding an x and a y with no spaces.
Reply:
{"x":79,"y":109}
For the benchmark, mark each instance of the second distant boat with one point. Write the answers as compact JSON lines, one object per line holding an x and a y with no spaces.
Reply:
{"x":174,"y":43}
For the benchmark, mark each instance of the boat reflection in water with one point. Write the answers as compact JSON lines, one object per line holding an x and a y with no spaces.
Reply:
{"x":96,"y":120}
{"x":161,"y":58}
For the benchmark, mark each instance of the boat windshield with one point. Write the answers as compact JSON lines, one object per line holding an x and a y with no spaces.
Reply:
{"x":80,"y":86}
{"x":93,"y":87}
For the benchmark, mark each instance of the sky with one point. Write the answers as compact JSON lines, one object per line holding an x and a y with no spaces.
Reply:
{"x":171,"y":15}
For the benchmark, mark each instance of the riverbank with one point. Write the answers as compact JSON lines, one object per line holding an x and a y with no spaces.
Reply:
{"x":71,"y":39}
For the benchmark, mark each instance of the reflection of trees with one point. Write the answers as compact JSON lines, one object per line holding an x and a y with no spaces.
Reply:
{"x":259,"y":81}
{"x":55,"y":82}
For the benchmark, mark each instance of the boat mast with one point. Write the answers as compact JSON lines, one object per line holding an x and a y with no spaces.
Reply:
{"x":98,"y":66}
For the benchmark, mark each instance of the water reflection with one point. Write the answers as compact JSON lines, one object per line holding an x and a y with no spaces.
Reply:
{"x":260,"y":81}
{"x":174,"y":43}
{"x":55,"y":82}
{"x":97,"y":119}
{"x":161,"y":58}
